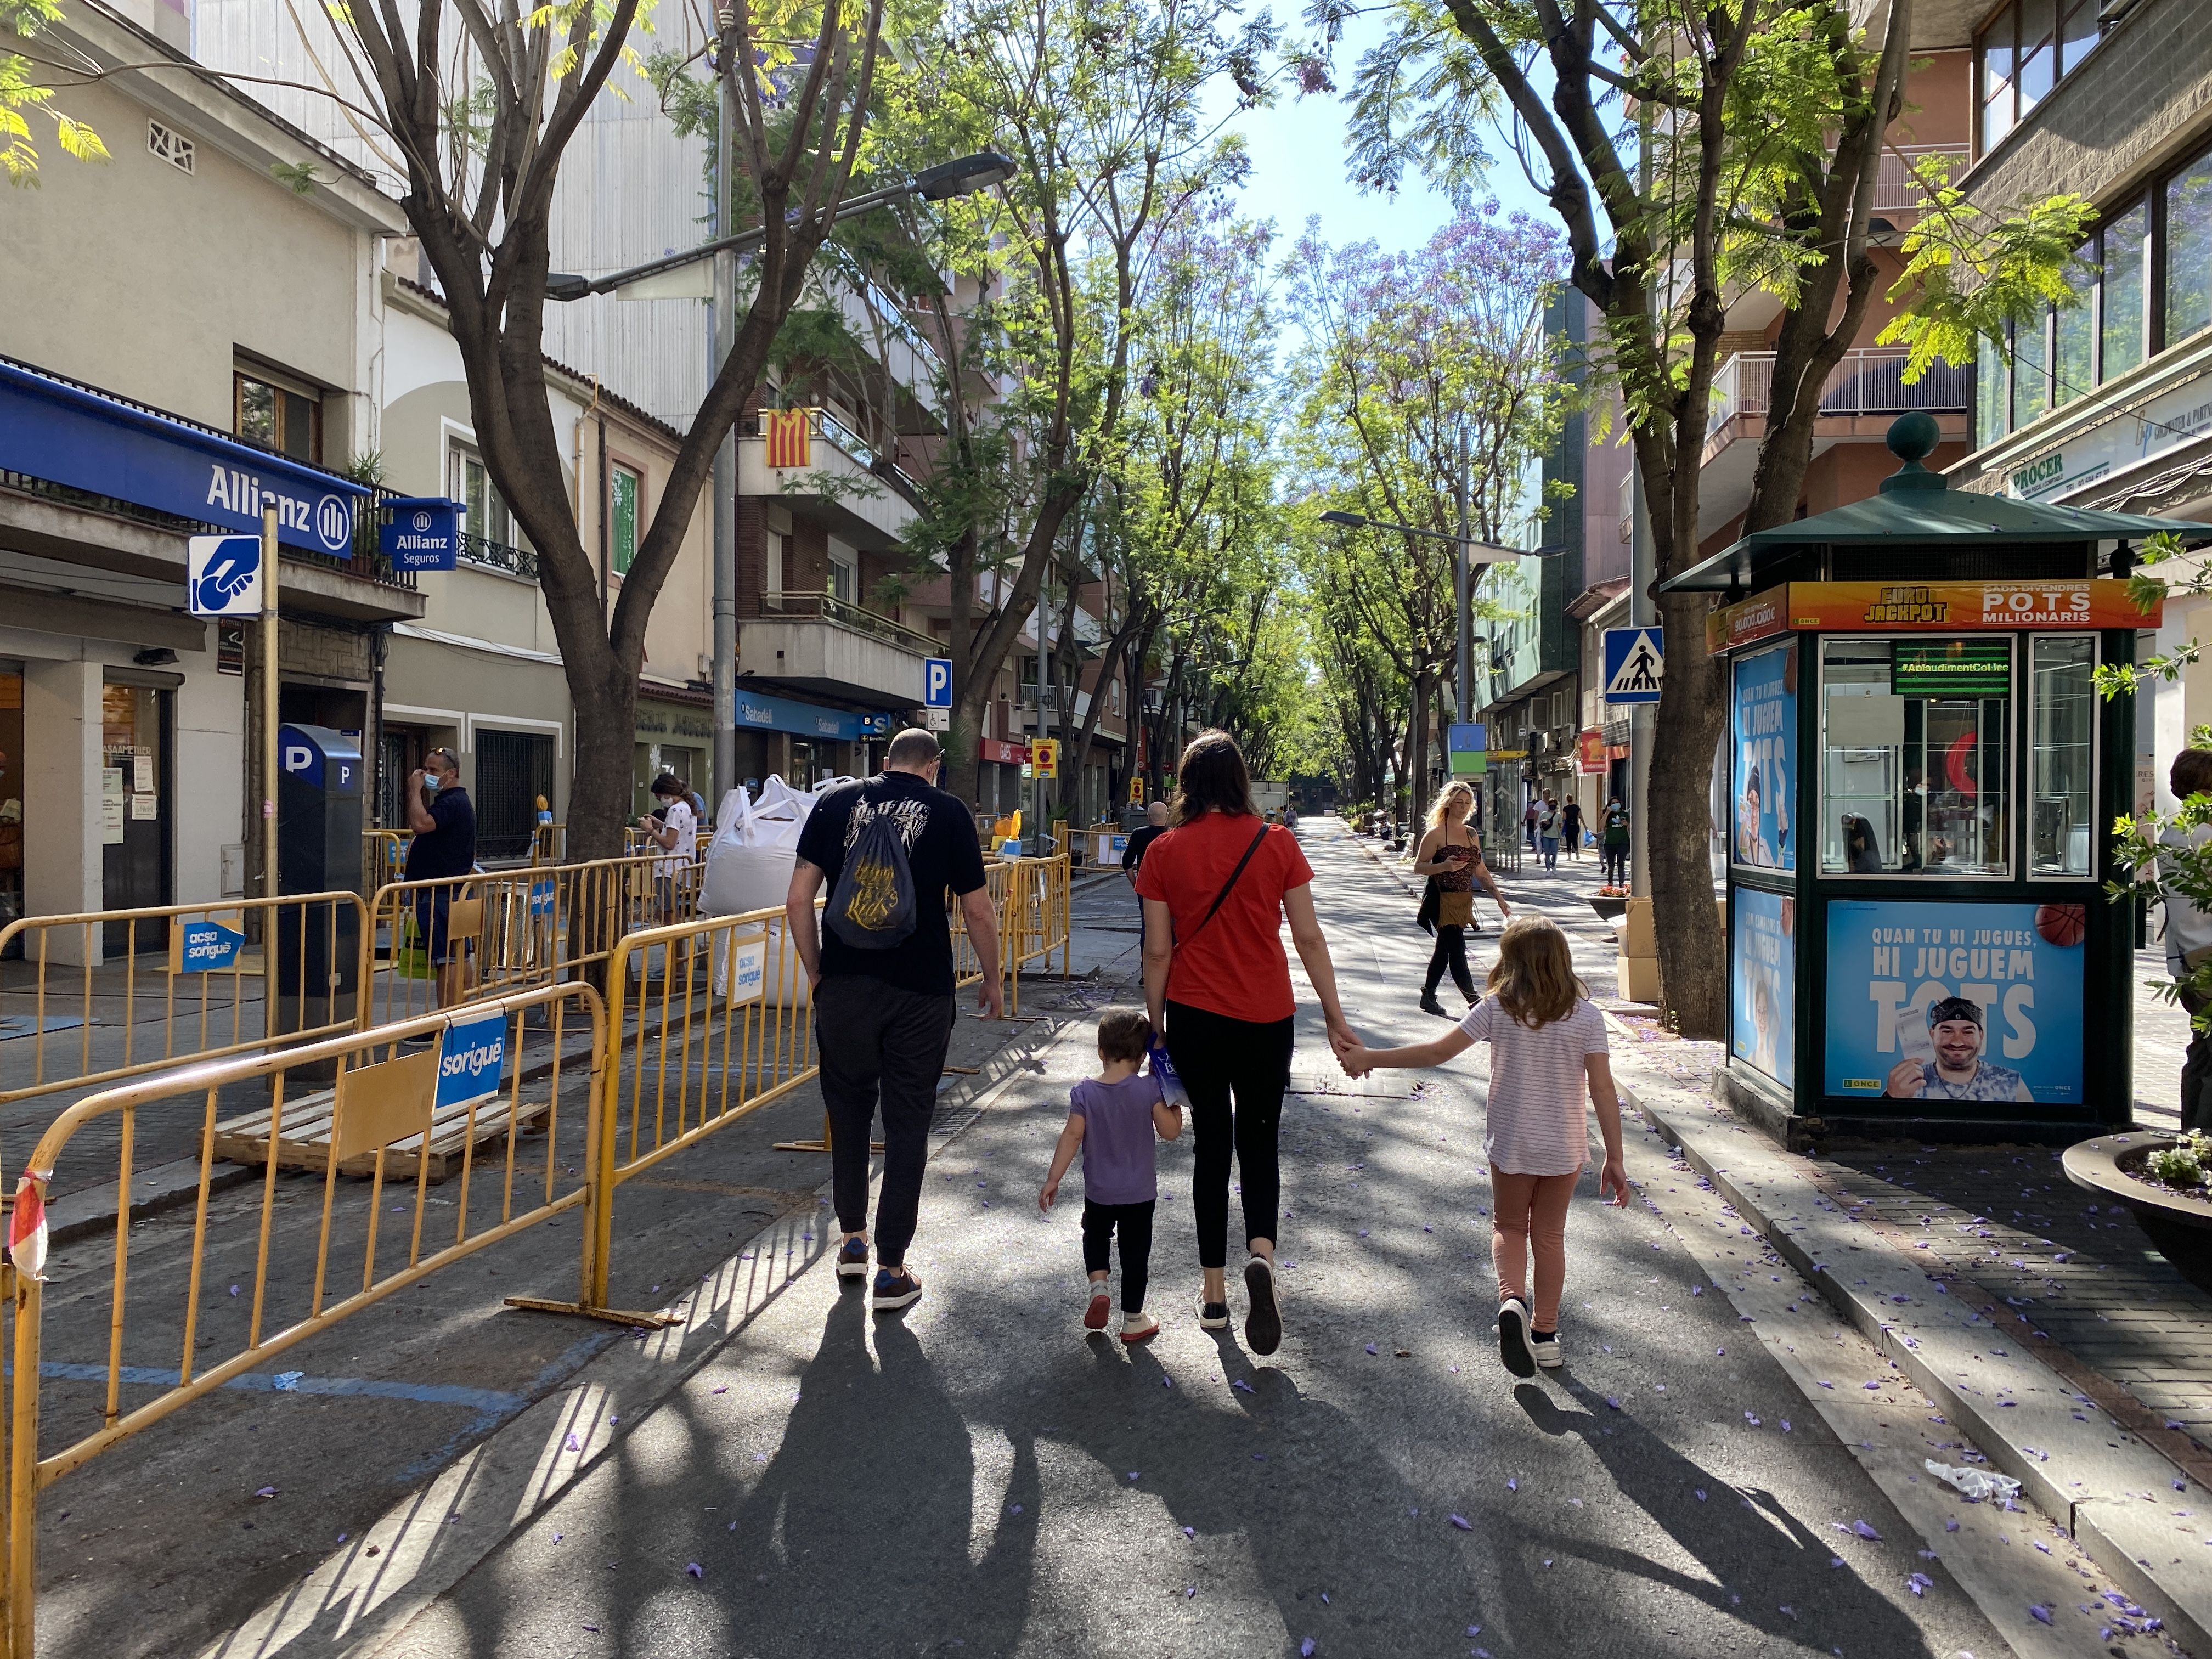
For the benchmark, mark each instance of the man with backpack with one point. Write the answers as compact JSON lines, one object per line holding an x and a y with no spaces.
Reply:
{"x":880,"y":965}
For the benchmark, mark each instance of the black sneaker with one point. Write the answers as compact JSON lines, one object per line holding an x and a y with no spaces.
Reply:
{"x":1431,"y":1005}
{"x":895,"y":1289}
{"x":1263,"y":1324}
{"x":1513,"y":1337}
{"x":853,"y":1259}
{"x":1211,"y":1315}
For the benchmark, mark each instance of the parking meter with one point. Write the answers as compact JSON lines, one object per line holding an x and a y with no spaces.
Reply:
{"x":319,"y":807}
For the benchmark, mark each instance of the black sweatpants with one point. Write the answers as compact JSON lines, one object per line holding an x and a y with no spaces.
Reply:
{"x":1134,"y":1223}
{"x":1234,"y":1072}
{"x":879,"y":1045}
{"x":1450,"y":952}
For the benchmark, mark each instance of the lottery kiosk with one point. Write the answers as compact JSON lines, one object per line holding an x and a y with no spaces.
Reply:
{"x":1921,"y":782}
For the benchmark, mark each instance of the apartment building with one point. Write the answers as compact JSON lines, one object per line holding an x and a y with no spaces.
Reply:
{"x":1552,"y":730}
{"x":2108,"y":402}
{"x":160,"y":378}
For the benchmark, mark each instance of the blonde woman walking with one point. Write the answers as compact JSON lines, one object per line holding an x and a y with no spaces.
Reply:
{"x":1451,"y":858}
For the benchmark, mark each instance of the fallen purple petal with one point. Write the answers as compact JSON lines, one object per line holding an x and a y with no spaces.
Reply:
{"x":1462,"y":1523}
{"x":2040,"y":1615}
{"x":695,"y":1569}
{"x":1866,"y":1532}
{"x":266,"y":1492}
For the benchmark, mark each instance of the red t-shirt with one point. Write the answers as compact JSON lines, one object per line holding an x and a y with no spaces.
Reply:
{"x":1235,"y":964}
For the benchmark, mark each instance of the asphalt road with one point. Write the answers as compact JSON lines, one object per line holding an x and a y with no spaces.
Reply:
{"x":977,"y":1477}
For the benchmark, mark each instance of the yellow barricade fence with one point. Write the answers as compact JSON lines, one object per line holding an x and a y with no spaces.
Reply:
{"x":102,"y":1003}
{"x":382,"y":1117}
{"x":1037,"y":916}
{"x":502,"y":930}
{"x":383,"y":856}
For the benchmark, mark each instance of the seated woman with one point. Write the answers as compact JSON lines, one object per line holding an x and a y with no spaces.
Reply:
{"x":1861,"y":852}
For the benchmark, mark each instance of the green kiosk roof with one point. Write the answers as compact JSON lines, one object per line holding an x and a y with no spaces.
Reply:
{"x":1915,"y":506}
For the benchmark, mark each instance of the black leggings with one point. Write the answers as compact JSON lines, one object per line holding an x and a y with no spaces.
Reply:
{"x":1450,"y":952}
{"x":1234,"y":1072}
{"x":1134,"y":1223}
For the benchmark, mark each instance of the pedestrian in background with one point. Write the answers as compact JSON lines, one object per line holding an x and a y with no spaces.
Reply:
{"x":1548,"y":831}
{"x":1133,"y":855}
{"x":443,"y":849}
{"x":2189,"y":940}
{"x":1571,"y":826}
{"x":1116,"y":1119}
{"x":1216,"y":888}
{"x":1450,"y":858}
{"x":1612,"y":833}
{"x":674,"y":828}
{"x":1529,"y":822}
{"x":883,"y":1018}
{"x":1547,"y":1046}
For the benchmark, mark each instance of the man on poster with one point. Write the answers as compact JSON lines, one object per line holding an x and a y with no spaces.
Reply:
{"x":1957,"y":1071}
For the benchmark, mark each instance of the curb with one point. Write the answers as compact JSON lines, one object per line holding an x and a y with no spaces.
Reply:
{"x":2110,"y":1490}
{"x":355,"y":1604}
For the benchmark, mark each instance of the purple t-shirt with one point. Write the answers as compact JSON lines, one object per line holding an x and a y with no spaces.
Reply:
{"x":1117,"y":1138}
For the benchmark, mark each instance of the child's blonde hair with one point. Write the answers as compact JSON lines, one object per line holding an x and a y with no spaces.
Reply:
{"x":1533,"y":979}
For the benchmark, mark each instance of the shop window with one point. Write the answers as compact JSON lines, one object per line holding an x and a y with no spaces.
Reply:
{"x":627,"y":489}
{"x":276,"y":416}
{"x":514,"y":769}
{"x":2061,"y":738}
{"x":1915,"y":763}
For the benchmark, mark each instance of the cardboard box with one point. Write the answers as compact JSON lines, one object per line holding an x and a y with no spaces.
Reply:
{"x":1636,"y":978}
{"x":1637,"y":938}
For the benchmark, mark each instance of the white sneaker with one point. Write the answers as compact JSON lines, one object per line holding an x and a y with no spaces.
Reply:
{"x":1211,"y":1315}
{"x":1547,"y":1352}
{"x":1513,"y":1337}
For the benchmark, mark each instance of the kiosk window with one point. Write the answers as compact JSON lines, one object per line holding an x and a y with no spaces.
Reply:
{"x":1914,"y":765}
{"x":2061,"y":726}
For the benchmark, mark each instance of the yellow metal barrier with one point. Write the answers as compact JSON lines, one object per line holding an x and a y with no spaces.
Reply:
{"x":1036,"y":916}
{"x":384,"y":856}
{"x":105,"y":1005}
{"x":515,"y":928}
{"x":382,"y":1113}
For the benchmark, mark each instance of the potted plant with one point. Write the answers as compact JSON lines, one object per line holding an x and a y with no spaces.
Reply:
{"x":2162,"y":1182}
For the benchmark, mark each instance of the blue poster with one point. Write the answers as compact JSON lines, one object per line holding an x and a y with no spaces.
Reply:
{"x":1763,"y":996}
{"x":1955,"y":1001}
{"x":1763,"y":726}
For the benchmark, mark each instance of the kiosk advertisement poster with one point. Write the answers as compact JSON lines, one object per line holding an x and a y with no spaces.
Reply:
{"x":1955,"y":1001}
{"x":1763,"y":1029}
{"x":1764,"y":725}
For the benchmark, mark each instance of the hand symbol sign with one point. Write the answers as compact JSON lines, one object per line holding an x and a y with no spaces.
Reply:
{"x":230,"y":574}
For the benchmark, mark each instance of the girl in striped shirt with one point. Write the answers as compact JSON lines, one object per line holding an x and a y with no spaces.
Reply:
{"x":1547,"y":1045}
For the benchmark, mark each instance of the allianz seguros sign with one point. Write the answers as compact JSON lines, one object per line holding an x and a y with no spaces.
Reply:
{"x":420,"y":532}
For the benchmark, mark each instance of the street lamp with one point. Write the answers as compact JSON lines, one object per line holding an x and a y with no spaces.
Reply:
{"x":962,"y":177}
{"x":675,"y":277}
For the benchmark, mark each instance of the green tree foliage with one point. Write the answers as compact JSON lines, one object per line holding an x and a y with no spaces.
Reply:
{"x":24,"y":94}
{"x":1407,"y":357}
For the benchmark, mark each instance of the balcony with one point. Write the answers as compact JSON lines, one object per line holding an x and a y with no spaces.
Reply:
{"x":498,"y":555}
{"x":861,"y":495}
{"x":1866,"y":382}
{"x":1897,"y":186}
{"x":905,"y":355}
{"x":817,"y":642}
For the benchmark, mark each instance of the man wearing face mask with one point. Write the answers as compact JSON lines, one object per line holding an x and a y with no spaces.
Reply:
{"x":444,"y":823}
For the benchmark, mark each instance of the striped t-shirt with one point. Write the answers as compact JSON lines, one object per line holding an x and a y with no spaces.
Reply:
{"x":1537,"y":1087}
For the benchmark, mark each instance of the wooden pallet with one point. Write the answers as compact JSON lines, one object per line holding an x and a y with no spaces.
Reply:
{"x":306,"y":1141}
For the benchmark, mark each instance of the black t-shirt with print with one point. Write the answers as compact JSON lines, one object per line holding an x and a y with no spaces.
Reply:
{"x":942,"y":851}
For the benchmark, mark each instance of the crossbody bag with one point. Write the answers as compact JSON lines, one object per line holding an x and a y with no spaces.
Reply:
{"x":1214,"y":908}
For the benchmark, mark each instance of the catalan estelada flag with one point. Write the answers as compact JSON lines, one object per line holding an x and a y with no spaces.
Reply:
{"x":789,"y":437}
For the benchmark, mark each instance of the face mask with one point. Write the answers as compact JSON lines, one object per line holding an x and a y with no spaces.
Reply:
{"x":431,"y":781}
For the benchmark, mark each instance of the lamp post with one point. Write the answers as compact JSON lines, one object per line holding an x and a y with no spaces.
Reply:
{"x":673,"y":278}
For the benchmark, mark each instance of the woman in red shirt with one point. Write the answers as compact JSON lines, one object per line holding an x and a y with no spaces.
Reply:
{"x":1217,"y":984}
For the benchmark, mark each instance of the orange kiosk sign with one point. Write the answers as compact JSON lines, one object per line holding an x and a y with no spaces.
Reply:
{"x":1935,"y":607}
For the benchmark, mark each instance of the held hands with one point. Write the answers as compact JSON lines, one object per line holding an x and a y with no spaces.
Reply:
{"x":1613,"y":1183}
{"x":1355,"y":1061}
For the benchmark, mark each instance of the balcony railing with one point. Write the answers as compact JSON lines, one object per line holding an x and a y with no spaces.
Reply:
{"x":834,"y":432}
{"x":815,"y":602}
{"x":498,"y":555}
{"x":1866,"y":382}
{"x":1897,"y":186}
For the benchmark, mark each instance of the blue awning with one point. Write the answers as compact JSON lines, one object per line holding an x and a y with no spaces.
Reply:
{"x":71,"y":434}
{"x":761,"y":712}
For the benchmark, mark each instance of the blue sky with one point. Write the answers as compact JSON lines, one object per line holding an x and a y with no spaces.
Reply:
{"x":1297,"y":165}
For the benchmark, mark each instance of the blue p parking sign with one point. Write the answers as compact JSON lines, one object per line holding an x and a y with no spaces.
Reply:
{"x":937,"y":682}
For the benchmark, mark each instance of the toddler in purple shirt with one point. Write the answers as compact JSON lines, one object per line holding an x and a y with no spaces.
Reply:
{"x":1114,"y":1118}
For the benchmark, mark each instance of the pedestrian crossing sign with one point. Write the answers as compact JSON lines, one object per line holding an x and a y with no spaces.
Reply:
{"x":1635,"y":663}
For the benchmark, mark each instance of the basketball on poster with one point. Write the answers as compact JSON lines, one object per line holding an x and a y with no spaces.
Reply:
{"x":1763,"y":1026}
{"x":1960,"y":1002}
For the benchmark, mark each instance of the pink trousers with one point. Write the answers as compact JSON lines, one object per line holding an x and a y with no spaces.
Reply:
{"x":1531,"y":1210}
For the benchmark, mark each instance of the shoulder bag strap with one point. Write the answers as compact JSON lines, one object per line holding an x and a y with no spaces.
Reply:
{"x":1212,"y":909}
